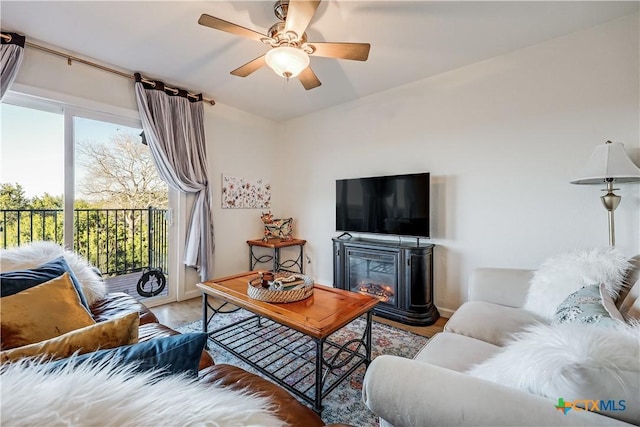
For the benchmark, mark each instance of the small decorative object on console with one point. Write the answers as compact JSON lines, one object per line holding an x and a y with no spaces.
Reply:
{"x":277,"y":228}
{"x":280,"y":287}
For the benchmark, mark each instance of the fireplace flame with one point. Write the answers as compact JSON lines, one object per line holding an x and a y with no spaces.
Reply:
{"x":383,"y":292}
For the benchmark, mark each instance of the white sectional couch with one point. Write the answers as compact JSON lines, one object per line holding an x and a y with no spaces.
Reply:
{"x":435,"y":388}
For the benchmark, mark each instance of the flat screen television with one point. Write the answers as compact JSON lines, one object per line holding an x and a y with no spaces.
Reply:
{"x":395,"y":204}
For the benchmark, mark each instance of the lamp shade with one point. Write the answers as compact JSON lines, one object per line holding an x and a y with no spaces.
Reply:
{"x":608,"y":161}
{"x":287,"y":61}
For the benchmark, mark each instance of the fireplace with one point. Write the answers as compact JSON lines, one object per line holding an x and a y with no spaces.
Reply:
{"x":399,"y":275}
{"x":374,"y":274}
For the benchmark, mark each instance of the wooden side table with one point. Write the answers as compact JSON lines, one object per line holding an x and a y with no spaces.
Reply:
{"x":274,"y":245}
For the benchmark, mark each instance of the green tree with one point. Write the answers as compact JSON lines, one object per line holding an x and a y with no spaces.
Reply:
{"x":46,"y":201}
{"x":12,"y":196}
{"x":25,"y":220}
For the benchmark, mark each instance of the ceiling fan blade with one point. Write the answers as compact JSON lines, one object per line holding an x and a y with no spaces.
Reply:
{"x":299,"y":15}
{"x":249,"y":67}
{"x":309,"y":79}
{"x":229,"y":27}
{"x":355,"y":51}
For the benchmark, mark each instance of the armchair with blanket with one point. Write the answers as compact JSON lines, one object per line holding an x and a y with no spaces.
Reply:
{"x":559,"y":346}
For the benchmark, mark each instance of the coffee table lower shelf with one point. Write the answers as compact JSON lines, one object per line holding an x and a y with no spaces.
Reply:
{"x":306,"y":366}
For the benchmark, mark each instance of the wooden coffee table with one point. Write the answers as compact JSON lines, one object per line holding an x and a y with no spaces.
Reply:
{"x":291,"y":343}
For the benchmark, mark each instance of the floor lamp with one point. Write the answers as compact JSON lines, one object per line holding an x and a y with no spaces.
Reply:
{"x":609,"y":163}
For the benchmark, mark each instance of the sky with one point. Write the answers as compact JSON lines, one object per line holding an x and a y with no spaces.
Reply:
{"x":32,"y":147}
{"x":32,"y":150}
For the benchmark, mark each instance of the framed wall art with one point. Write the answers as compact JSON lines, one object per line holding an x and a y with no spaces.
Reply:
{"x":241,"y":193}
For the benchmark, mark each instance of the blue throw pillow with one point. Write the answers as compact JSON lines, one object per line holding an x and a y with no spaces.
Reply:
{"x":585,"y":306}
{"x":175,"y":354}
{"x":19,"y":280}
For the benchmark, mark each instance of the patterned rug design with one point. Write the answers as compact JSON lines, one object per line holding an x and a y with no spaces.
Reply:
{"x":344,"y":403}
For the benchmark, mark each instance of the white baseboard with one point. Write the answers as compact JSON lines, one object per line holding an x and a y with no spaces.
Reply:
{"x":445,"y":312}
{"x":196,"y":293}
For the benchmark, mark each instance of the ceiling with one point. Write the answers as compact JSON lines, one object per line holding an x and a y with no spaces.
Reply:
{"x":410,"y":40}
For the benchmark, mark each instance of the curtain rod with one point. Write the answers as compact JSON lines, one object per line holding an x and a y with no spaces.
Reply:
{"x":71,"y":58}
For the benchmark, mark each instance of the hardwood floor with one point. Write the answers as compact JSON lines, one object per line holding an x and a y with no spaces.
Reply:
{"x":427,"y":331}
{"x":179,"y":313}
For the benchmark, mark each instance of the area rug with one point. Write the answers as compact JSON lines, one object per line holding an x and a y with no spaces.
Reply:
{"x":344,"y":403}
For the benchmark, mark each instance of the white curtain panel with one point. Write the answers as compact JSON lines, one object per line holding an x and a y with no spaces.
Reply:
{"x":174,"y":130}
{"x":11,"y":54}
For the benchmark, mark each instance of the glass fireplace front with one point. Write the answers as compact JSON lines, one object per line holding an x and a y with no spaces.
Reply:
{"x":373,"y":274}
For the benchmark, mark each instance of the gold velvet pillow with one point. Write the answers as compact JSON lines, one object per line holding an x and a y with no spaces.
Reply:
{"x":44,"y":311}
{"x":110,"y":334}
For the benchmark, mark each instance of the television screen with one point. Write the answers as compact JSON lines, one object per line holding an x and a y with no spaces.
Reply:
{"x":397,"y":205}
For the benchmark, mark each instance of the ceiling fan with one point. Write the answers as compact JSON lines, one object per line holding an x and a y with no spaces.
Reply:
{"x":290,"y":50}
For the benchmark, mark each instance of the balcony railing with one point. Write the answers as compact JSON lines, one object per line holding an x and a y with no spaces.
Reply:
{"x":117,"y":241}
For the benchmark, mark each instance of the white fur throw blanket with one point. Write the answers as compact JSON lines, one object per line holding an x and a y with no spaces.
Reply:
{"x":565,"y":273}
{"x":38,"y":253}
{"x":573,"y":361}
{"x":111,"y":395}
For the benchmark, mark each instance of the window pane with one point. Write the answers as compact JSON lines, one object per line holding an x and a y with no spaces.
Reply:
{"x":120,"y":207}
{"x":31,"y":175}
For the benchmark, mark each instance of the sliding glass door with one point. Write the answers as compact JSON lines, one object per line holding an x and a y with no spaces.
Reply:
{"x":120,"y":207}
{"x":86,"y":180}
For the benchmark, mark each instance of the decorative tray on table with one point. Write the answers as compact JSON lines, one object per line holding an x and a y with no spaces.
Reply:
{"x":280,"y":287}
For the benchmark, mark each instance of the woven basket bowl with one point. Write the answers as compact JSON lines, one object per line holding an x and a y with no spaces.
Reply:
{"x":262,"y":294}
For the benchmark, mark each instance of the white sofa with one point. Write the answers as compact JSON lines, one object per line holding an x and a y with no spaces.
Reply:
{"x":433,"y":389}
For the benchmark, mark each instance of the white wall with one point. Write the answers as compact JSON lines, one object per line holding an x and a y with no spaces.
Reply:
{"x":239,"y":144}
{"x":501,"y":138}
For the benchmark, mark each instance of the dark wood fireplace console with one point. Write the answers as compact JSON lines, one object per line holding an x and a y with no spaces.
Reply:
{"x":399,"y":274}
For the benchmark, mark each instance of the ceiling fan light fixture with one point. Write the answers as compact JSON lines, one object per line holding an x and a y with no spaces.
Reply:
{"x":287,"y":61}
